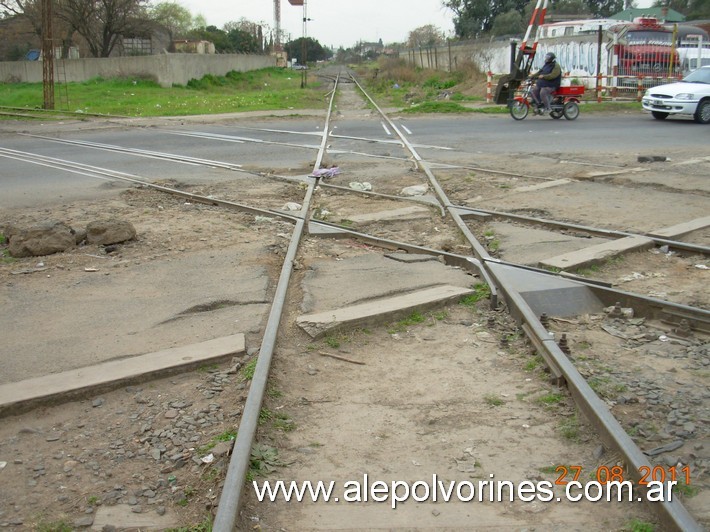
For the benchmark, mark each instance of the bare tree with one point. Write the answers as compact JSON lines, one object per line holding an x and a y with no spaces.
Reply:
{"x":102,"y":22}
{"x":428,"y":35}
{"x":29,"y":9}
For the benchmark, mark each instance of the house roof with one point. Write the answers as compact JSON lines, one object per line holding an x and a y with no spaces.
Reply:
{"x":661,"y":13}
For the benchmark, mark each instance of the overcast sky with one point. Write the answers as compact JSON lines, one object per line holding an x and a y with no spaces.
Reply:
{"x":336,"y":22}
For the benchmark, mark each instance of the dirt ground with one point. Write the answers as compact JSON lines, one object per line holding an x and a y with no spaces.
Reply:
{"x":67,"y":464}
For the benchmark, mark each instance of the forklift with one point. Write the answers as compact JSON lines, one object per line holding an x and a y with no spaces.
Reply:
{"x":520,"y":68}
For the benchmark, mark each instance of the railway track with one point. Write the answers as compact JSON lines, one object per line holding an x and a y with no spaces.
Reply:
{"x":611,"y":398}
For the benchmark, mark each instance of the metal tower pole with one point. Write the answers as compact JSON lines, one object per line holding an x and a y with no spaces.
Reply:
{"x":277,"y":23}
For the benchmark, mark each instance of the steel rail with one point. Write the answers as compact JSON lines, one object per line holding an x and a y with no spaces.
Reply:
{"x":445,"y":166}
{"x":672,"y":513}
{"x":234,"y":483}
{"x":414,"y":199}
{"x":469,"y":264}
{"x":652,"y":307}
{"x":479,"y":251}
{"x":605,"y":233}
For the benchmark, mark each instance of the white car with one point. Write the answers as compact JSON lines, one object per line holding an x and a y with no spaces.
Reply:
{"x":690,"y":96}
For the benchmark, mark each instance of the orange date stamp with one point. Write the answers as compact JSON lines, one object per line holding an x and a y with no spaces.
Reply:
{"x":604,"y":474}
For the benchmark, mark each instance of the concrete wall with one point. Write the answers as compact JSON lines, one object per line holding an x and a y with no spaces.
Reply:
{"x":166,"y":69}
{"x":576,"y":55}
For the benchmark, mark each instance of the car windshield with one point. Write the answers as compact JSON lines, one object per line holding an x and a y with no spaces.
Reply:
{"x":649,"y":37}
{"x":701,"y":75}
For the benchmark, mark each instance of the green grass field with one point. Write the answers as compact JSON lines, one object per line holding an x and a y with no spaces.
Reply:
{"x":269,"y":89}
{"x":261,"y":90}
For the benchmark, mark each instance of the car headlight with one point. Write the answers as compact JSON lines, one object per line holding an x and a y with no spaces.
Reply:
{"x":684,"y":96}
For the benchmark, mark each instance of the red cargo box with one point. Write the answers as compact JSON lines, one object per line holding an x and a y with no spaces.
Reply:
{"x":572,"y":90}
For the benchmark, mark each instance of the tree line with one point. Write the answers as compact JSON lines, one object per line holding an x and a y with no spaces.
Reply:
{"x":102,"y":23}
{"x":480,"y":18}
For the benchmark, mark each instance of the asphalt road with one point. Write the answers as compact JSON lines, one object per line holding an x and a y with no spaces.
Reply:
{"x":290,"y":146}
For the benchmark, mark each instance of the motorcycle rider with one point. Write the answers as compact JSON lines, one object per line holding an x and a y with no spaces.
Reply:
{"x":548,"y":79}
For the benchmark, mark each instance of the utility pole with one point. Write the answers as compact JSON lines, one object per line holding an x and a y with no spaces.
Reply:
{"x":304,"y":47}
{"x":47,"y":55}
{"x":277,"y":24}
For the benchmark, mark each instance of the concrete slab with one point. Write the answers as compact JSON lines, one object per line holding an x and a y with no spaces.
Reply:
{"x":542,"y":186}
{"x":523,"y":244}
{"x":21,"y":396}
{"x":596,"y":254}
{"x":676,"y":231}
{"x":126,"y":308}
{"x":412,"y":212}
{"x":318,"y":325}
{"x":549,"y":294}
{"x":122,"y":517}
{"x":373,"y":276}
{"x":601,"y":252}
{"x":609,"y":173}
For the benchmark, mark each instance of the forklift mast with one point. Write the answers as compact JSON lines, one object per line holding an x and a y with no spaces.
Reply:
{"x":520,"y":69}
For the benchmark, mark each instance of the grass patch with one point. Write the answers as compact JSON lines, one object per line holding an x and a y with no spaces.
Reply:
{"x":248,"y":370}
{"x":265,"y":415}
{"x":279,"y":420}
{"x":604,"y":387}
{"x":480,"y":291}
{"x":274,"y":393}
{"x":332,"y":342}
{"x":534,"y":363}
{"x":440,"y":315}
{"x":550,"y":399}
{"x":636,"y":525}
{"x":685,"y":490}
{"x":493,"y":400}
{"x":283,"y":422}
{"x":54,"y":526}
{"x":590,"y":270}
{"x":228,"y":435}
{"x":258,"y":90}
{"x":569,"y":428}
{"x":402,"y":325}
{"x":446,"y":107}
{"x":204,"y":526}
{"x":263,"y":460}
